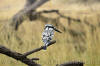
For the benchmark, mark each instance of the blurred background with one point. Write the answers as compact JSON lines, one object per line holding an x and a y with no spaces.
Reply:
{"x":79,"y":41}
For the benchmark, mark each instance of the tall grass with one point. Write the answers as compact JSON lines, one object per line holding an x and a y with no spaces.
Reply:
{"x":80,"y":42}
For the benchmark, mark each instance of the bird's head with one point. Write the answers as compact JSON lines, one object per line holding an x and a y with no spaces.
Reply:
{"x":51,"y":26}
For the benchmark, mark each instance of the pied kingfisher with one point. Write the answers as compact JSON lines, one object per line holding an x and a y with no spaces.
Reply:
{"x":48,"y":34}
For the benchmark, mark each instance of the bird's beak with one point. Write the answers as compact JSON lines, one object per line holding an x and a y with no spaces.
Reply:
{"x":57,"y":30}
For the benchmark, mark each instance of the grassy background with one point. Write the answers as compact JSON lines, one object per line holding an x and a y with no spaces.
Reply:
{"x":80,"y":42}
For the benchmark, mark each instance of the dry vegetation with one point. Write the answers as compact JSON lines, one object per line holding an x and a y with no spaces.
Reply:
{"x":80,"y":42}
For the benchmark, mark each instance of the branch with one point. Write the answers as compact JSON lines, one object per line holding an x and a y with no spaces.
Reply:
{"x":56,"y":21}
{"x":17,"y":56}
{"x":22,"y":57}
{"x":75,"y":63}
{"x":35,"y":59}
{"x":19,"y":17}
{"x":61,"y":15}
{"x":37,"y":49}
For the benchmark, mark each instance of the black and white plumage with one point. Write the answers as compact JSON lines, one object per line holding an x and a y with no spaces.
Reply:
{"x":48,"y":34}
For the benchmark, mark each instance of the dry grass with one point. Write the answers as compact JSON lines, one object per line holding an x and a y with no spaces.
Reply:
{"x":69,"y":47}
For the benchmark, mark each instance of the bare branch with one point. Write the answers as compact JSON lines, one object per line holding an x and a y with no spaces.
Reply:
{"x":17,"y":56}
{"x":75,"y":63}
{"x":22,"y":57}
{"x":27,"y":10}
{"x":37,"y":49}
{"x":61,"y":15}
{"x":35,"y":59}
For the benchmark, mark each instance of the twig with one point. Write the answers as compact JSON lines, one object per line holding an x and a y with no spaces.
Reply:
{"x":35,"y":59}
{"x":37,"y":49}
{"x":75,"y":63}
{"x":58,"y":13}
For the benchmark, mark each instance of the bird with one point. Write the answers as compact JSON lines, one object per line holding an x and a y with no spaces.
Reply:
{"x":48,"y":34}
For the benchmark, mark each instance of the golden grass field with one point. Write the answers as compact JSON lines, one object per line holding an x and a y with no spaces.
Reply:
{"x":70,"y":45}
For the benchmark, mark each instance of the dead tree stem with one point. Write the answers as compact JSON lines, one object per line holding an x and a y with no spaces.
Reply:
{"x":22,"y":57}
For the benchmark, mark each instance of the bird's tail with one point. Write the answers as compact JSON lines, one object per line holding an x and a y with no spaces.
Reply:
{"x":45,"y":47}
{"x":46,"y":44}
